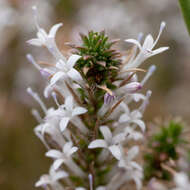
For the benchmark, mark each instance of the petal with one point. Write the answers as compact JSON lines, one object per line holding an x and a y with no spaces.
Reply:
{"x":132,"y":152}
{"x":140,"y":123}
{"x":69,"y":103}
{"x":159,"y":50}
{"x":73,"y":150}
{"x":136,"y":42}
{"x":35,"y":42}
{"x":137,"y":97}
{"x":124,"y":118}
{"x":119,"y":138}
{"x":79,"y":111}
{"x":116,"y":152}
{"x":53,"y":154}
{"x":57,"y":163}
{"x":148,"y":42}
{"x":136,"y":114}
{"x":74,"y":75}
{"x":72,"y":60}
{"x":99,"y":143}
{"x":60,"y":175}
{"x":80,"y":188}
{"x":57,"y":76}
{"x":67,"y":147}
{"x":44,"y":180}
{"x":63,"y":123}
{"x":54,"y":29}
{"x":106,"y":133}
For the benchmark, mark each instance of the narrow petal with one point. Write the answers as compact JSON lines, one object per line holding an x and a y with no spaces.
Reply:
{"x":73,"y":150}
{"x":72,"y":60}
{"x":54,"y":29}
{"x":35,"y":42}
{"x":44,"y":180}
{"x":53,"y":154}
{"x":69,"y":103}
{"x":60,"y":175}
{"x":119,"y":138}
{"x":98,"y":144}
{"x":57,"y":76}
{"x":159,"y":50}
{"x":148,"y":43}
{"x":74,"y":75}
{"x":57,"y":163}
{"x":79,"y":111}
{"x":140,"y":123}
{"x":136,"y":42}
{"x":63,"y":123}
{"x":132,"y":152}
{"x":67,"y":147}
{"x":106,"y":133}
{"x":124,"y":118}
{"x":116,"y":152}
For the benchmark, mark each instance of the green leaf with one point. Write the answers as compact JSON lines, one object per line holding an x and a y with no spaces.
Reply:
{"x":185,"y":7}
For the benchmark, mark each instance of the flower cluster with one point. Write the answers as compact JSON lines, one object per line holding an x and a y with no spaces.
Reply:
{"x":91,"y":133}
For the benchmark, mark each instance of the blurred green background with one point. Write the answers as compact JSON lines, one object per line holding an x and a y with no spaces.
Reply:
{"x":22,"y":159}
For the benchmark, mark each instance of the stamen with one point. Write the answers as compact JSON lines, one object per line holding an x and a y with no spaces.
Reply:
{"x":90,"y":177}
{"x":140,"y":36}
{"x":151,"y":70}
{"x":36,"y":115}
{"x":37,"y":98}
{"x":145,"y":102}
{"x":45,"y":74}
{"x":55,"y":98}
{"x":32,"y":60}
{"x":35,"y":14}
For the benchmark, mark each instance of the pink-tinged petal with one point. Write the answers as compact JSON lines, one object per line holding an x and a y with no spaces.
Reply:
{"x":60,"y":175}
{"x":74,"y":75}
{"x":140,"y":123}
{"x":136,"y":42}
{"x":53,"y":154}
{"x":124,"y":118}
{"x":57,"y":163}
{"x":116,"y":152}
{"x":72,"y":60}
{"x":54,"y":29}
{"x":63,"y":123}
{"x":106,"y":133}
{"x":35,"y":42}
{"x":132,"y":87}
{"x":69,"y":103}
{"x":132,"y":152}
{"x":79,"y":111}
{"x":44,"y":180}
{"x":98,"y":144}
{"x":148,"y":43}
{"x":57,"y":76}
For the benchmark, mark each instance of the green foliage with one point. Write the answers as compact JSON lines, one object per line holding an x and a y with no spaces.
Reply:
{"x":162,"y":147}
{"x":185,"y":7}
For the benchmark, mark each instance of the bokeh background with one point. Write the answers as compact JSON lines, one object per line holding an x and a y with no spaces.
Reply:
{"x":22,"y":158}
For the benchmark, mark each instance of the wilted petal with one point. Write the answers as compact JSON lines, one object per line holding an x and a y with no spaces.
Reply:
{"x":72,"y":60}
{"x":98,"y":144}
{"x":106,"y":133}
{"x":54,"y":29}
{"x":53,"y":154}
{"x":116,"y":152}
{"x":79,"y":111}
{"x":63,"y":123}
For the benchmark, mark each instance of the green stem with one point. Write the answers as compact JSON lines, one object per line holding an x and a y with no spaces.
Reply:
{"x":185,"y":7}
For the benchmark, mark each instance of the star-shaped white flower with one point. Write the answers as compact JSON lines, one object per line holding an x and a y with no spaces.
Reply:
{"x":70,"y":112}
{"x":131,"y":117}
{"x":62,"y":157}
{"x":110,"y":142}
{"x":51,"y":178}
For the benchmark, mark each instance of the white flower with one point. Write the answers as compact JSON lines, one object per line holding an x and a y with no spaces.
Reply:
{"x":131,"y":117}
{"x":66,"y":69}
{"x":146,"y":50}
{"x":182,"y":181}
{"x":110,"y":142}
{"x":62,"y":157}
{"x":132,"y":134}
{"x":51,"y":178}
{"x":98,"y":188}
{"x":69,"y":114}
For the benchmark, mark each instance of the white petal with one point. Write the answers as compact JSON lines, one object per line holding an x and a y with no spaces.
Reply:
{"x":54,"y":29}
{"x":80,"y":188}
{"x":53,"y":154}
{"x":132,"y":152}
{"x":140,"y":123}
{"x":79,"y":111}
{"x":44,"y":180}
{"x":57,"y":163}
{"x":119,"y":138}
{"x":69,"y":103}
{"x":148,"y":43}
{"x":72,"y":60}
{"x":101,"y":188}
{"x":136,"y":165}
{"x":159,"y":50}
{"x":106,"y":132}
{"x":60,"y":175}
{"x":99,"y":143}
{"x":136,"y":114}
{"x":73,"y":150}
{"x":74,"y":75}
{"x":57,"y":76}
{"x":124,"y":118}
{"x":63,"y":123}
{"x":35,"y":42}
{"x":116,"y":152}
{"x":137,"y":97}
{"x":136,"y":42}
{"x":67,"y":147}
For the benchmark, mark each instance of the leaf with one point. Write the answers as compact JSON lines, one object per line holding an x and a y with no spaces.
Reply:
{"x":185,"y":8}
